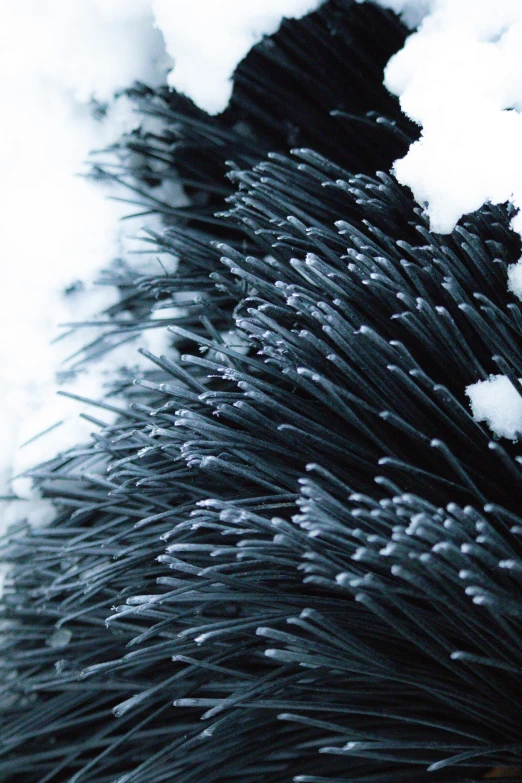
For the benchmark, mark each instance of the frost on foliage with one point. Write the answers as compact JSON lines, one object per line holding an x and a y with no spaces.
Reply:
{"x":56,"y":56}
{"x":207,"y":39}
{"x":460,"y":77}
{"x":499,"y":404}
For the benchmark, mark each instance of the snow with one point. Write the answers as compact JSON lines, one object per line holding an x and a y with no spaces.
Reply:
{"x":207,"y":39}
{"x":58,"y":227}
{"x":499,"y":404}
{"x":460,"y":78}
{"x":515,"y":279}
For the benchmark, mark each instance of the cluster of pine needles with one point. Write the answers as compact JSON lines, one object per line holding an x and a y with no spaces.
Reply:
{"x":295,"y":556}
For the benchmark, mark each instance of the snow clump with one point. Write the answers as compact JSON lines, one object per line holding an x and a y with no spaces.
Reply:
{"x":207,"y":40}
{"x":460,"y":78}
{"x":498,"y":403}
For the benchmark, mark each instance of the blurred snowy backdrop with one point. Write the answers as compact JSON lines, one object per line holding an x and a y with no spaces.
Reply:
{"x":59,"y":62}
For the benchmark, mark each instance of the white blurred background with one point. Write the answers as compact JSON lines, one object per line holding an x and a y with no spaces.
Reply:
{"x":57,"y":227}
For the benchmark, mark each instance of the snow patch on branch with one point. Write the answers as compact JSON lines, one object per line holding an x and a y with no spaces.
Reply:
{"x":460,"y":78}
{"x":498,"y":403}
{"x":207,"y":40}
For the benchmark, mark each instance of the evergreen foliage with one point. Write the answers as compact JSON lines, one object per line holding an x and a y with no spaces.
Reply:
{"x":295,"y":556}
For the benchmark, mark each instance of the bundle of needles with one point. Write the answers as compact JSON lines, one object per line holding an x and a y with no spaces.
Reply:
{"x":295,"y":556}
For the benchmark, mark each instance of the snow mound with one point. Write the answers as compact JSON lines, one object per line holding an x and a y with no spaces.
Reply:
{"x":460,"y":78}
{"x":499,"y":404}
{"x":207,"y":39}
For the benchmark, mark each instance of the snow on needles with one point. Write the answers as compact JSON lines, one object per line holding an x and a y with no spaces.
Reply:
{"x":499,"y":404}
{"x":460,"y":77}
{"x":208,"y":38}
